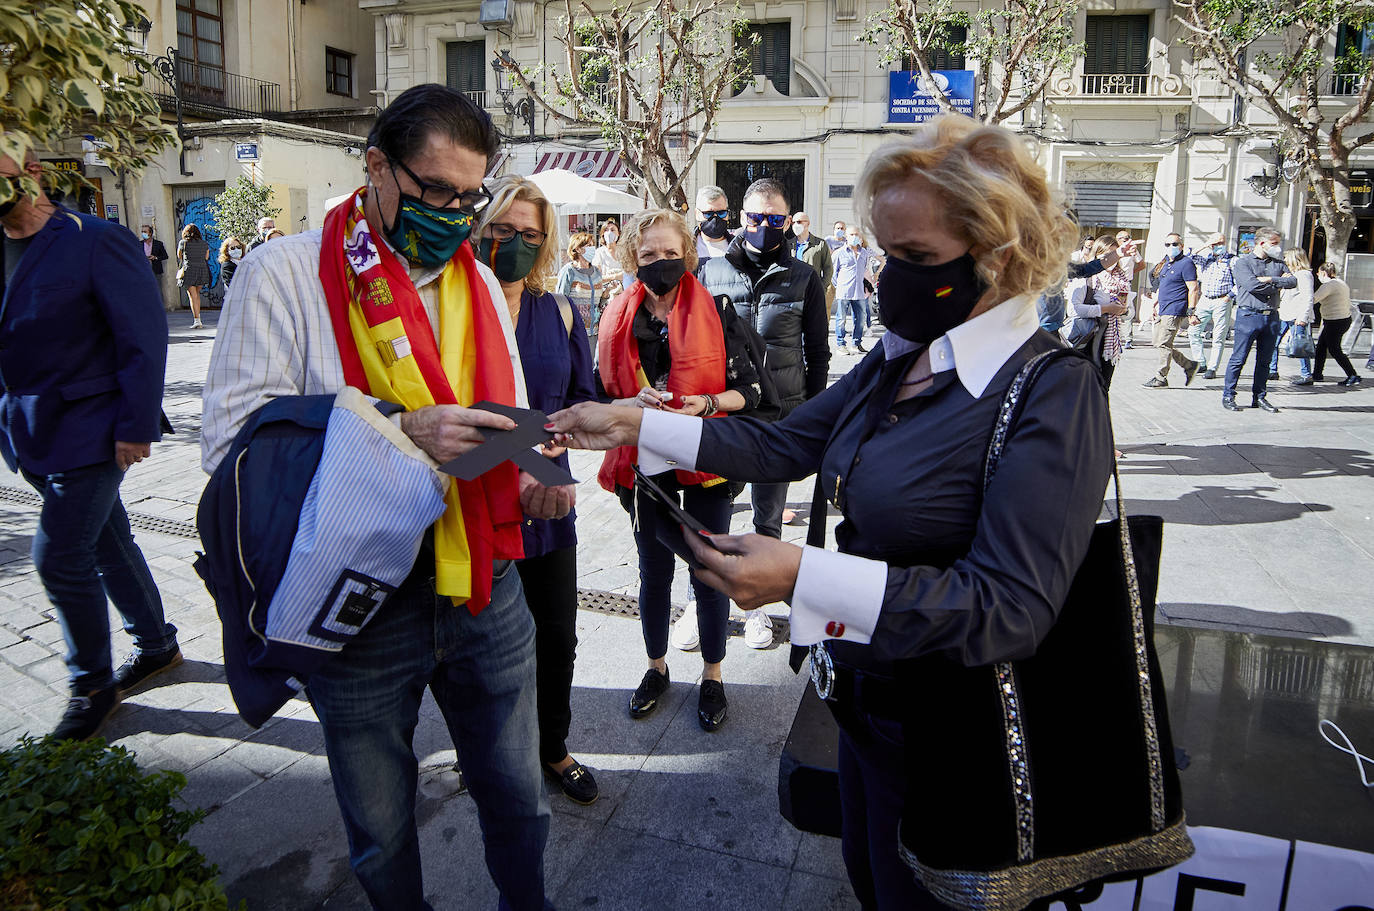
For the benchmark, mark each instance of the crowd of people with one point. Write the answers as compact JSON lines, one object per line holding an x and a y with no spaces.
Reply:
{"x":699,"y":359}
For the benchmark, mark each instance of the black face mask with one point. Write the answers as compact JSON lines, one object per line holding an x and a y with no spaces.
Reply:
{"x":765,"y":238}
{"x":762,"y":259}
{"x":714,"y":228}
{"x":6,"y":207}
{"x":662,"y":275}
{"x":922,"y":303}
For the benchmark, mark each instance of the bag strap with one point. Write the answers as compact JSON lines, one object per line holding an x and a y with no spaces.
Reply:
{"x":565,"y":309}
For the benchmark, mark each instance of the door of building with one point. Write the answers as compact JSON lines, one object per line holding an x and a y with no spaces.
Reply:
{"x":192,"y":206}
{"x":734,"y":177}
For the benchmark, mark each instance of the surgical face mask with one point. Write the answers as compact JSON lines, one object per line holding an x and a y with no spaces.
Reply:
{"x":852,"y":239}
{"x":511,"y":260}
{"x":235,"y":253}
{"x":1219,"y":250}
{"x":1173,"y":249}
{"x":662,"y":275}
{"x":610,"y":237}
{"x":839,"y":232}
{"x":147,"y":235}
{"x":921,"y":303}
{"x":1275,"y":252}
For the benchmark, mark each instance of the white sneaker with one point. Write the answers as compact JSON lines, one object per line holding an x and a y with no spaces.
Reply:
{"x":684,"y":635}
{"x":758,"y":629}
{"x":197,"y":324}
{"x":841,"y":350}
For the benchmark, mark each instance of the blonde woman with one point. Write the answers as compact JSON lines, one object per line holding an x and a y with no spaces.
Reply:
{"x":517,"y":237}
{"x":1296,"y":312}
{"x":972,"y":234}
{"x":581,"y":281}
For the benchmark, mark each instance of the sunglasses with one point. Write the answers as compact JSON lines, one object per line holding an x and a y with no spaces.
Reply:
{"x":757,"y":218}
{"x":722,"y":214}
{"x":441,"y":197}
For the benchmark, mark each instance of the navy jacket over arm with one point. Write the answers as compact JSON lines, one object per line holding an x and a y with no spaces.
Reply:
{"x":83,"y":347}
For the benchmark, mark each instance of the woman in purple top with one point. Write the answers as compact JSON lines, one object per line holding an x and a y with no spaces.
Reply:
{"x":517,"y":237}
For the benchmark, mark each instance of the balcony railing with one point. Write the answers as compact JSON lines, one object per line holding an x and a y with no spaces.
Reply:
{"x":211,"y":91}
{"x":1116,"y":83}
{"x":479,"y":98}
{"x":1346,"y":83}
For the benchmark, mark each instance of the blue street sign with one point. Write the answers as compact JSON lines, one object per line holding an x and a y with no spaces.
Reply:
{"x":909,"y":102}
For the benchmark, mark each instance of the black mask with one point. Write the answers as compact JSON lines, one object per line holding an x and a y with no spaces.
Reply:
{"x":5,"y":207}
{"x":714,"y":228}
{"x":765,"y":238}
{"x":922,"y":303}
{"x":761,"y":259}
{"x":662,"y":275}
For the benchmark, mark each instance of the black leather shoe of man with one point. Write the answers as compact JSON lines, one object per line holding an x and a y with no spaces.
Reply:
{"x":860,"y":346}
{"x":139,"y":668}
{"x":711,"y":705}
{"x":1230,"y":405}
{"x":576,"y":782}
{"x":646,"y":696}
{"x":1189,"y":372}
{"x":1262,"y":403}
{"x":86,"y":714}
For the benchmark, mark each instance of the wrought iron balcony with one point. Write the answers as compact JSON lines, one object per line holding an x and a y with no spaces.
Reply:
{"x":1156,"y":85}
{"x":1345,"y":84}
{"x":1116,"y":83}
{"x":208,"y":91}
{"x":480,"y":98}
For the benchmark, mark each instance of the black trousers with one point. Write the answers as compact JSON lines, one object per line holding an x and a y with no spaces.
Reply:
{"x":550,"y":585}
{"x":1329,"y":342}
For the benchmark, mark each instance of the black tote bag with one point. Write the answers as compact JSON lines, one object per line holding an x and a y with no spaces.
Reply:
{"x":1033,"y":777}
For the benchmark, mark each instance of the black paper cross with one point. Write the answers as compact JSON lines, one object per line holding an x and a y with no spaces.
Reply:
{"x":511,"y":446}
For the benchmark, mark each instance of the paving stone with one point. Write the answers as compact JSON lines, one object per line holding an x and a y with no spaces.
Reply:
{"x":25,"y":652}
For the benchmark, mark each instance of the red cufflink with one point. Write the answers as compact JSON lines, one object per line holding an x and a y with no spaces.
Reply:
{"x":834,"y":630}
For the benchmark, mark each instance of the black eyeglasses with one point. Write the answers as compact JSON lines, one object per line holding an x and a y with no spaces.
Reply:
{"x":722,"y":214}
{"x":757,"y":218}
{"x":442,"y":197}
{"x":504,"y":232}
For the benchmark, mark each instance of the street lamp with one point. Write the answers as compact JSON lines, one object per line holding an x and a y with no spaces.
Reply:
{"x":502,"y":64}
{"x":137,"y":32}
{"x":168,"y":68}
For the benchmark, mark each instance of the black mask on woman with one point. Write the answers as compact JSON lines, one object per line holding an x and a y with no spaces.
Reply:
{"x":922,"y":303}
{"x":662,"y":275}
{"x":714,"y":228}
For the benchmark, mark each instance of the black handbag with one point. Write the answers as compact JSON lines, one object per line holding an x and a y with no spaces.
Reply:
{"x":1030,"y":778}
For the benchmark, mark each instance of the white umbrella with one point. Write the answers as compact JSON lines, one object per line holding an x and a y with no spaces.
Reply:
{"x":575,"y":195}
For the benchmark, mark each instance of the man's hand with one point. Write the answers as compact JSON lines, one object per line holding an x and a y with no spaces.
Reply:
{"x":753,"y":570}
{"x":1193,"y":320}
{"x":127,"y":454}
{"x":540,"y":502}
{"x":589,"y":425}
{"x":447,"y":431}
{"x":1113,"y":309}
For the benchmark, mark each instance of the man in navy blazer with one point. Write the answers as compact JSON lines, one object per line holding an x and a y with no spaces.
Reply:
{"x":83,"y":352}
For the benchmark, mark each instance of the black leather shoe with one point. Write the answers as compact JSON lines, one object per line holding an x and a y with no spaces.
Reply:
{"x":646,"y":696}
{"x":576,"y":782}
{"x":1230,"y":405}
{"x":1273,"y":374}
{"x":1262,"y":403}
{"x":1189,"y":372}
{"x":1318,"y":378}
{"x":1303,"y":381}
{"x":138,"y":668}
{"x":711,"y":705}
{"x":1350,"y":381}
{"x":1209,"y":375}
{"x":86,"y":714}
{"x":860,"y":346}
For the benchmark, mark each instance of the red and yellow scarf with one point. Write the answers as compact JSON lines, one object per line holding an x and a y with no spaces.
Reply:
{"x":697,"y":342}
{"x":389,"y":351}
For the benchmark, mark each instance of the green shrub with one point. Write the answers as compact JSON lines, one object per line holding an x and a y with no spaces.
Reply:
{"x":82,"y":829}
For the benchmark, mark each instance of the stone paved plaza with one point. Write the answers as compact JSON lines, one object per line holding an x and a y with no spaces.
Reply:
{"x":1270,"y":529}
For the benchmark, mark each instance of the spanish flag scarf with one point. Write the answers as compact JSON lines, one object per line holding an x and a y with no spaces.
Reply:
{"x":389,"y":351}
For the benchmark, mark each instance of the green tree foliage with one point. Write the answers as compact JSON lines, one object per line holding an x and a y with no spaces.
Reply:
{"x":66,"y":72}
{"x":238,"y":208}
{"x":1280,"y":56}
{"x":82,"y":829}
{"x":1016,"y":47}
{"x":649,"y":77}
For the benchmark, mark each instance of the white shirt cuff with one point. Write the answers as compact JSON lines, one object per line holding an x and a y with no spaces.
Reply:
{"x":668,"y":440}
{"x":837,"y":596}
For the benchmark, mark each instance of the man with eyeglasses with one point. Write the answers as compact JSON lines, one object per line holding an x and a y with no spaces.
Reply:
{"x":389,"y":298}
{"x":713,"y":223}
{"x":781,"y":297}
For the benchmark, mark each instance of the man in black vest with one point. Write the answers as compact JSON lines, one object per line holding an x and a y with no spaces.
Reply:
{"x":782,"y":298}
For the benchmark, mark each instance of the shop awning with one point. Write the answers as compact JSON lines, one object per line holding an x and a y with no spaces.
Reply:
{"x":599,"y":165}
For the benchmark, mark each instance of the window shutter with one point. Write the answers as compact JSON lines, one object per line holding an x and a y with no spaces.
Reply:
{"x":1116,"y":44}
{"x":777,"y":49}
{"x":464,"y":66}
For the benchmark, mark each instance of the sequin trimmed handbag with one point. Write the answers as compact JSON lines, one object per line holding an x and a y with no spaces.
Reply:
{"x":1032,"y":778}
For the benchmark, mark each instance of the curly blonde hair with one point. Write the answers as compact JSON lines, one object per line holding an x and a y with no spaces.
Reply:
{"x":505,"y":192}
{"x":628,"y":252}
{"x":992,"y":193}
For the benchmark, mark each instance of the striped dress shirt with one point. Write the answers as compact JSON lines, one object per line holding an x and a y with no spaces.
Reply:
{"x":275,"y":337}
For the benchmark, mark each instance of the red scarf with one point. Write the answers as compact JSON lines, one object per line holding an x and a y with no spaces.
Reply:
{"x":697,"y":342}
{"x":379,"y":286}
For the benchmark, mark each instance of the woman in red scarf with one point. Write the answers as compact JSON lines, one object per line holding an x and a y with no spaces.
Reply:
{"x":664,"y":343}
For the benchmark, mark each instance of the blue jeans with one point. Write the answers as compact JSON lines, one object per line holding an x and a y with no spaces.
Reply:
{"x":1304,"y":364}
{"x":711,"y":507}
{"x":1253,"y":330}
{"x":847,"y":308}
{"x":84,"y":551}
{"x":1050,"y":310}
{"x":481,"y":672}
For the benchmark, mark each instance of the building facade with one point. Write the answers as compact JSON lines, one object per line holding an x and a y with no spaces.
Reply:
{"x":1138,"y":135}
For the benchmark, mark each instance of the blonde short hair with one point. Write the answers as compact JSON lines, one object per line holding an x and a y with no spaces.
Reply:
{"x":577,"y":242}
{"x":505,"y":192}
{"x":1296,"y":260}
{"x":993,"y":194}
{"x":628,"y":252}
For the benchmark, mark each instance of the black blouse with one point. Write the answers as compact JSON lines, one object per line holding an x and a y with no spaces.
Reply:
{"x":977,"y":578}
